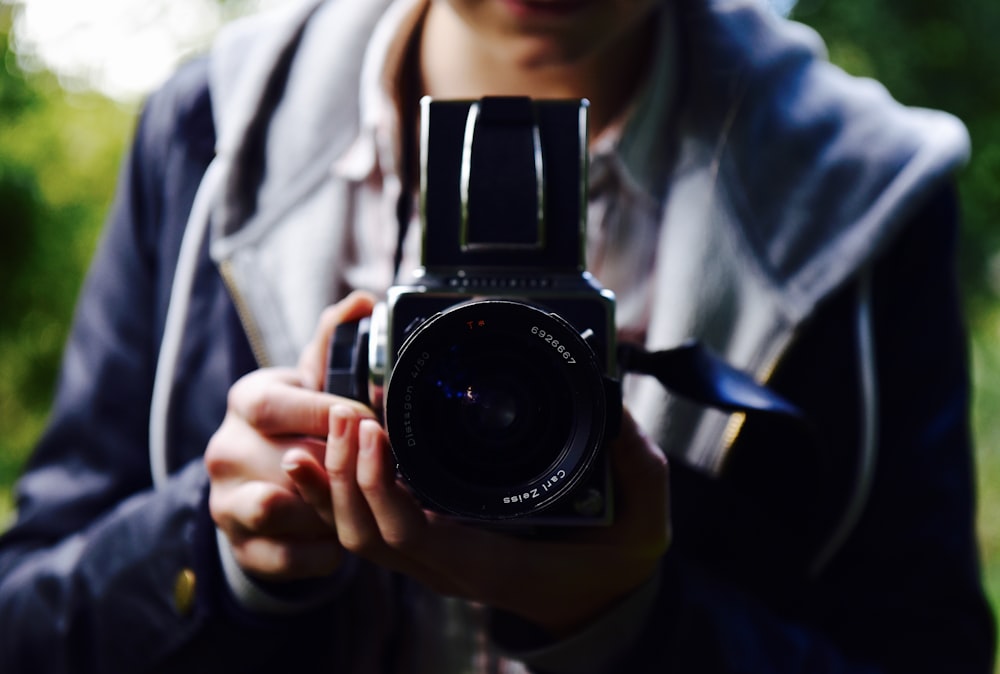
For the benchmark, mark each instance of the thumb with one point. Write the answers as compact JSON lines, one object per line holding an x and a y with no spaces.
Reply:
{"x":312,"y":361}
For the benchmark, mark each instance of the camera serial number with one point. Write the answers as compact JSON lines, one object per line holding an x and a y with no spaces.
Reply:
{"x":554,"y":343}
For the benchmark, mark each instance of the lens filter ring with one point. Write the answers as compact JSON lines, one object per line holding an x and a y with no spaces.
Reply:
{"x":495,"y":409}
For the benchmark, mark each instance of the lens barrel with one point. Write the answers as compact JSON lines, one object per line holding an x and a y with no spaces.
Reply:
{"x":495,"y":409}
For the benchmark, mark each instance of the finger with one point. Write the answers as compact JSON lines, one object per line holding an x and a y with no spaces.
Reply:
{"x":260,"y":508}
{"x":310,"y":480}
{"x":355,"y":524}
{"x":239,"y":453}
{"x":640,"y":532}
{"x":362,"y":482}
{"x":278,"y":559}
{"x":274,"y":402}
{"x":312,"y":362}
{"x":400,"y":519}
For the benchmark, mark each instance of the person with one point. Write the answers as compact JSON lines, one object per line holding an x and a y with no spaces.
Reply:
{"x":199,"y":503}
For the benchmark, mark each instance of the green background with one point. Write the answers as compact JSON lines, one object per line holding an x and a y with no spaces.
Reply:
{"x":60,"y":152}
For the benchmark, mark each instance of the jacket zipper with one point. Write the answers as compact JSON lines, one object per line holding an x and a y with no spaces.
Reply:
{"x":734,"y":426}
{"x":250,"y":327}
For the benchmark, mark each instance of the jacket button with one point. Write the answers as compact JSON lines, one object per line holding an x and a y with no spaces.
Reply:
{"x":184,"y":588}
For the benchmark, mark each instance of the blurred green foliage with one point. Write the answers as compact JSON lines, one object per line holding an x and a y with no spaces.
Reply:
{"x":59,"y":154}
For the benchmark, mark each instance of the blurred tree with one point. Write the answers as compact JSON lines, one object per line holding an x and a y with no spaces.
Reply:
{"x":58,"y":158}
{"x":21,"y":206}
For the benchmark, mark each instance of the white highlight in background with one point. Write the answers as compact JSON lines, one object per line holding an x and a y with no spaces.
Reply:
{"x":122,"y":48}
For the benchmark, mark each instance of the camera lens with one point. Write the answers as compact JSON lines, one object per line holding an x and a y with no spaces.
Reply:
{"x":495,"y":409}
{"x":502,"y":409}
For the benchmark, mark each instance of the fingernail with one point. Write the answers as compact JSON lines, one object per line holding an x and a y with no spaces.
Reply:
{"x":288,"y":463}
{"x":339,"y":414}
{"x":368,"y":433}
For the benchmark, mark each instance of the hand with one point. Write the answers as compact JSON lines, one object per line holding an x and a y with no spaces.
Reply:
{"x":274,"y":534}
{"x":559,"y":585}
{"x":312,"y":362}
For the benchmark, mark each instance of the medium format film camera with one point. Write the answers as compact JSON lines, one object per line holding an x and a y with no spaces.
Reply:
{"x":494,"y":369}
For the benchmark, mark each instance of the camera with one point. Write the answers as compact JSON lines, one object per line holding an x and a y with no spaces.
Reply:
{"x":494,"y":369}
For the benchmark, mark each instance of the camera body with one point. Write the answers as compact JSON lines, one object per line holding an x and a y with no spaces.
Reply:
{"x":494,"y":369}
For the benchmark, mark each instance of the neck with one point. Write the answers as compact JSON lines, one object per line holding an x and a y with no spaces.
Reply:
{"x":458,"y":63}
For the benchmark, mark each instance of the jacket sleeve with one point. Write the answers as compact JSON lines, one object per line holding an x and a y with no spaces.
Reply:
{"x":93,"y":546}
{"x":903,"y":593}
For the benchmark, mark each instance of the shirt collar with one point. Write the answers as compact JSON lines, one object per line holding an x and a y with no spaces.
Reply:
{"x":377,"y":147}
{"x":634,"y":150}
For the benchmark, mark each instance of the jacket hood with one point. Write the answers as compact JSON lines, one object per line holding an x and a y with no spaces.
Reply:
{"x":821,"y":168}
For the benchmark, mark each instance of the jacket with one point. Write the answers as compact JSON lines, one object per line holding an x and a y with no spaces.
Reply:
{"x":808,"y":236}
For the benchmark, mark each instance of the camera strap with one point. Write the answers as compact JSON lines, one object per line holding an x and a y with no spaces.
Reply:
{"x":694,"y":372}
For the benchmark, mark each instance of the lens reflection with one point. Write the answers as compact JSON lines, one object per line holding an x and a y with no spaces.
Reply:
{"x":506,"y":410}
{"x":492,"y":409}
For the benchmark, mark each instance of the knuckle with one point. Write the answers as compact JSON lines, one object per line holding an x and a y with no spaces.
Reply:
{"x":258,"y":514}
{"x":370,"y":484}
{"x":228,"y":448}
{"x":399,"y":539}
{"x":219,"y":511}
{"x":240,"y":391}
{"x":340,"y":474}
{"x":216,"y":457}
{"x":265,"y":506}
{"x":361,"y":542}
{"x":256,"y":397}
{"x":259,"y":411}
